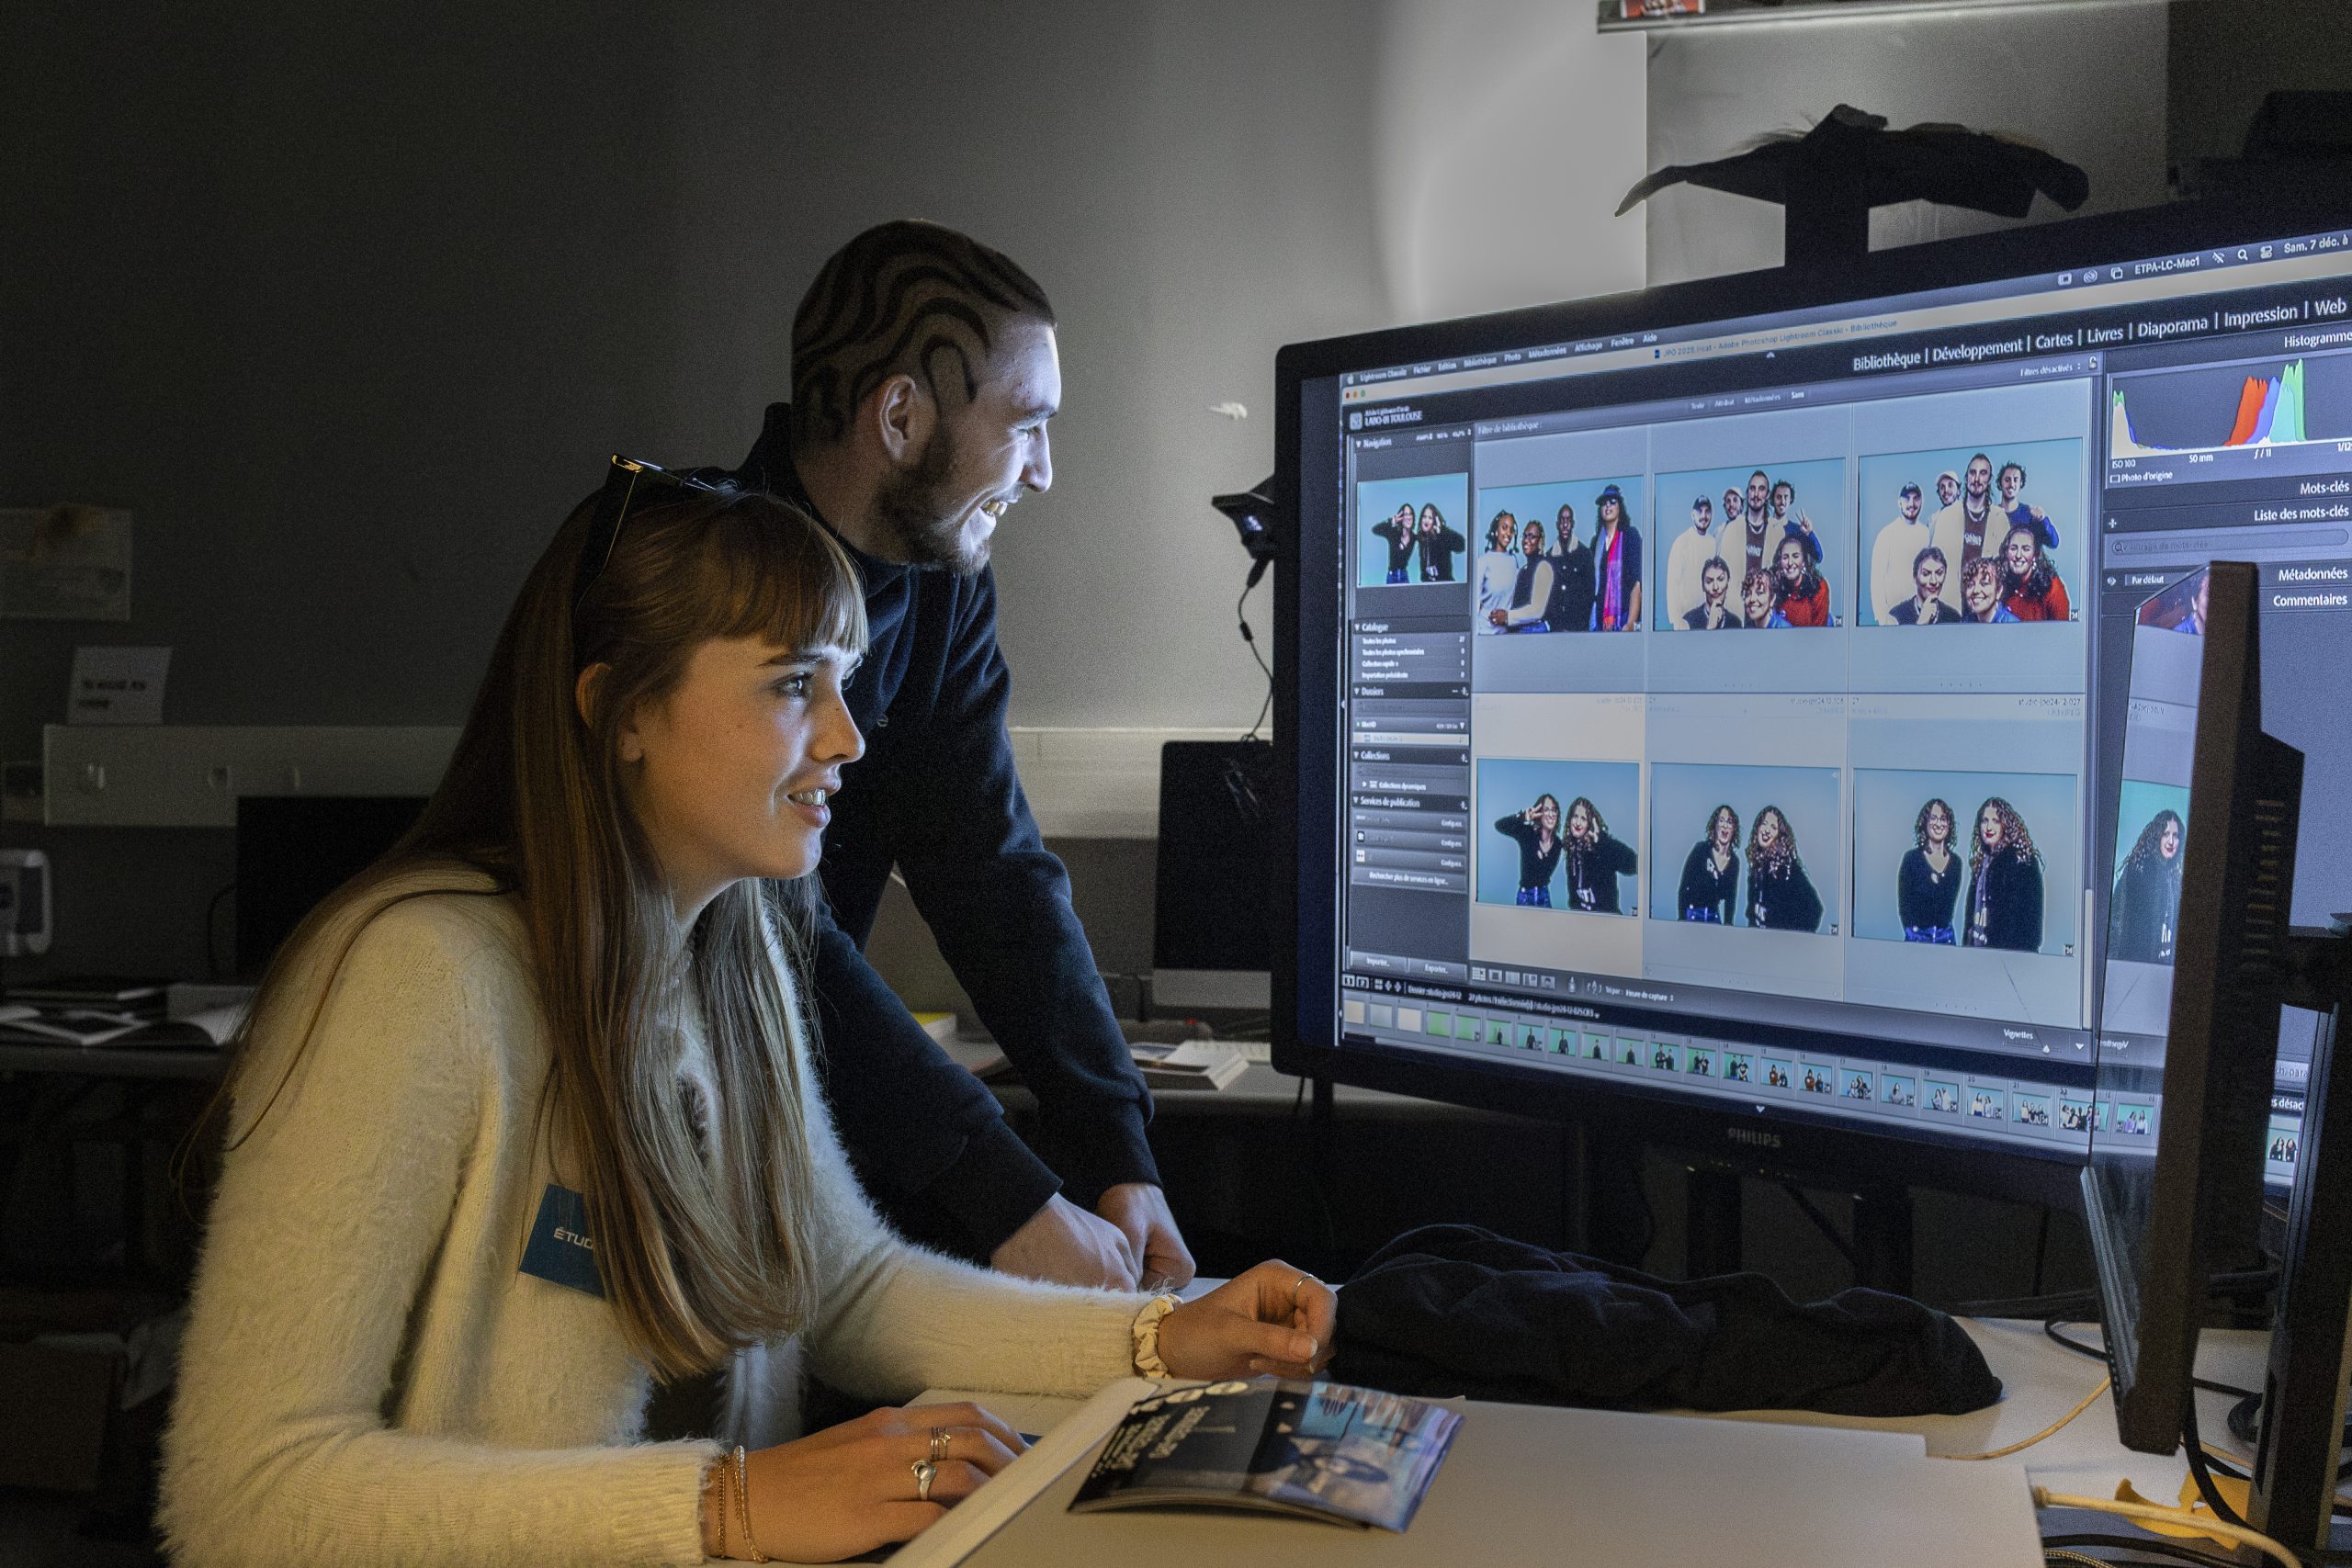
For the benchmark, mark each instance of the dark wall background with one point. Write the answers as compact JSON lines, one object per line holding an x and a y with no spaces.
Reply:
{"x":349,"y":305}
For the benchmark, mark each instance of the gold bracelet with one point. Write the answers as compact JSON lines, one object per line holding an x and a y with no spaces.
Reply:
{"x":744,"y":1501}
{"x":1146,"y":1336}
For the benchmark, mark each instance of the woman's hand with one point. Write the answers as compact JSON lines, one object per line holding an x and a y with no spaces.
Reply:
{"x":851,"y":1488}
{"x":1272,"y":1319}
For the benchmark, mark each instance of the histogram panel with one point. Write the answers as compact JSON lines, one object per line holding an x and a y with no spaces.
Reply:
{"x":2280,"y":402}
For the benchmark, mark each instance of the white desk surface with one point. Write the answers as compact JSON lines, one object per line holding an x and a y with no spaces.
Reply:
{"x":2040,"y":1380}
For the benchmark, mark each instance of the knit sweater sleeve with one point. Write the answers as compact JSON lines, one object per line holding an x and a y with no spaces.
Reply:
{"x":894,"y":1319}
{"x":330,"y":1218}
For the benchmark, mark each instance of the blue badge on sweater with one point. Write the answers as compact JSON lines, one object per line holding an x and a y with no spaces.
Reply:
{"x":559,"y":1248}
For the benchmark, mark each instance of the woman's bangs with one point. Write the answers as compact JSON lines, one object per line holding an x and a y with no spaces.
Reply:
{"x":770,"y":572}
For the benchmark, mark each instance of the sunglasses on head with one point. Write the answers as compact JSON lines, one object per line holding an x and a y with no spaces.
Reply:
{"x":630,"y":486}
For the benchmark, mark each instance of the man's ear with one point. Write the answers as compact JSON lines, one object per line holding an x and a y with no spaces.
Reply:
{"x":905,"y":414}
{"x":587,"y":690}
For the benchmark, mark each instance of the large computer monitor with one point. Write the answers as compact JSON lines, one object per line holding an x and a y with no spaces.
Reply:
{"x":2044,"y":428}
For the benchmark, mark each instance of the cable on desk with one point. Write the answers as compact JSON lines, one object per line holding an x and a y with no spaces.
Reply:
{"x":2177,"y":1551}
{"x":1821,"y":1223}
{"x":2231,"y":1466}
{"x":2078,"y":1347}
{"x":2088,"y":1400}
{"x":2194,"y":1446}
{"x":2081,"y":1349}
{"x":2149,"y":1512}
{"x":2082,"y":1306}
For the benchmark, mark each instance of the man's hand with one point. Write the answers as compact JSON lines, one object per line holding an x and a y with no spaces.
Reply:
{"x":1140,"y":1210}
{"x":1065,"y":1244}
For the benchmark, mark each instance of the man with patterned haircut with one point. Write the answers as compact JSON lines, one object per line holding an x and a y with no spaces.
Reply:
{"x":924,"y":369}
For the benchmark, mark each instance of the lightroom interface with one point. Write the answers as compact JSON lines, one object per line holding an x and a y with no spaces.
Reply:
{"x":1738,"y":709}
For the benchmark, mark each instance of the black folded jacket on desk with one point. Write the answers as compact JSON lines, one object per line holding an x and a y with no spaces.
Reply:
{"x":1452,"y":1310}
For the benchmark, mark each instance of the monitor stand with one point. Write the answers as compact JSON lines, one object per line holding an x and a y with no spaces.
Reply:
{"x":1614,"y":1208}
{"x":1879,"y":1250}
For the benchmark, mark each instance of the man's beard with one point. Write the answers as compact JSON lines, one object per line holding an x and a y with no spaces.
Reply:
{"x":914,"y":507}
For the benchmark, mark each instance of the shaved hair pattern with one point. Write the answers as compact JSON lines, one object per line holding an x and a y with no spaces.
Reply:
{"x":904,"y":297}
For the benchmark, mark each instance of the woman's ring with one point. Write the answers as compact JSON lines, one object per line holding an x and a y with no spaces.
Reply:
{"x":925,"y":1474}
{"x":938,"y":1444}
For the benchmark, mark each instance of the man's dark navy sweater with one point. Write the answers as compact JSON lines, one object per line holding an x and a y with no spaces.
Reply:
{"x":936,"y":796}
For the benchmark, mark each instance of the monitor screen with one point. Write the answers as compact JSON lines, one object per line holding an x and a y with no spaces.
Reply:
{"x":292,"y":851}
{"x":1721,"y":711}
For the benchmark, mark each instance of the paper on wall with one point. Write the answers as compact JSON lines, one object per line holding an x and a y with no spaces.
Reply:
{"x":118,"y":686}
{"x":65,"y":563}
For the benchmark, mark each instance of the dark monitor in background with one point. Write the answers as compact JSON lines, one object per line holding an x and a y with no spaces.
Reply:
{"x":1211,"y":938}
{"x":2181,"y":1117}
{"x":292,"y":851}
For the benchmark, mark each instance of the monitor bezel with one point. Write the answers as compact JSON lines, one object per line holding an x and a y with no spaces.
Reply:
{"x":1307,"y":625}
{"x":2220,"y":1039}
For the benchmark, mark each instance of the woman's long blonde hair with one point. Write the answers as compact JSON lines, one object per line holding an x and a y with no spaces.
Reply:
{"x":696,"y":1257}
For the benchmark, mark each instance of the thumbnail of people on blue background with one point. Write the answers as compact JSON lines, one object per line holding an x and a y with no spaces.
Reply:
{"x":1751,"y":510}
{"x":2151,"y":831}
{"x":1920,"y":857}
{"x":1410,"y":530}
{"x":1591,"y":548}
{"x":1559,"y":834}
{"x":1734,"y":844}
{"x":2017,"y":504}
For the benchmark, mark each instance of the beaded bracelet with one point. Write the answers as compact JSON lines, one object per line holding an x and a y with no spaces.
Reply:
{"x":744,"y":1501}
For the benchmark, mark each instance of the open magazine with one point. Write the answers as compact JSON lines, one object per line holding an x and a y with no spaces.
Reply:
{"x":1322,"y":1450}
{"x":206,"y":1029}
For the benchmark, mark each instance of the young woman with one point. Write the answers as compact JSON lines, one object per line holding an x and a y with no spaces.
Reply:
{"x":1927,"y":885}
{"x":1536,"y":832}
{"x":1398,"y":534}
{"x":2147,"y":893}
{"x":528,"y":1117}
{"x":1980,"y":593}
{"x":1925,"y":605}
{"x":2005,"y":887}
{"x":1714,"y":612}
{"x":1779,"y":895}
{"x":1617,"y":565}
{"x":1439,"y":542}
{"x":1531,"y":586}
{"x":1755,"y":597}
{"x":2030,"y":589}
{"x":1498,"y":569}
{"x":1797,"y":583}
{"x":1710,"y":890}
{"x":1595,"y":859}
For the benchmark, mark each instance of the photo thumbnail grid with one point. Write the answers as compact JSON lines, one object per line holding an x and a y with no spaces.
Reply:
{"x":1608,"y":840}
{"x":1652,"y":528}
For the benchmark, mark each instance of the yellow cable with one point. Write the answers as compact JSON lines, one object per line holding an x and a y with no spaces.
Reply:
{"x":2203,"y":1524}
{"x":1999,"y":1454}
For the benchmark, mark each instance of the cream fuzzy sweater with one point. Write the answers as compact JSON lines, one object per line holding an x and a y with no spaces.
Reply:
{"x":367,"y":1377}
